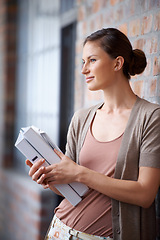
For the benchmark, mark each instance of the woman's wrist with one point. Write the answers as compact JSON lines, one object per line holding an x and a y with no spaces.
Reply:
{"x":82,"y":174}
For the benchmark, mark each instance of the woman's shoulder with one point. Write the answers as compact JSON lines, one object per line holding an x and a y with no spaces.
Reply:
{"x":147,"y":107}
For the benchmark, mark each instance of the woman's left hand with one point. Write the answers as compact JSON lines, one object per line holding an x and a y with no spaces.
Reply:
{"x":66,"y":171}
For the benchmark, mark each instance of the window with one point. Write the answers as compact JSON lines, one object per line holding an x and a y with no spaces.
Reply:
{"x":45,"y":73}
{"x":66,"y":5}
{"x":38,"y":68}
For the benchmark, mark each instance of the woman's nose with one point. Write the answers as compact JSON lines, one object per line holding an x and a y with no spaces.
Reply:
{"x":85,"y":69}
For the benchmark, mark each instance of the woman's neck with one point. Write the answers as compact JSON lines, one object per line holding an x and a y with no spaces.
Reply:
{"x":119,"y":97}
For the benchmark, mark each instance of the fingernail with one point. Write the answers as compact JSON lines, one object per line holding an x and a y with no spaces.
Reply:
{"x":43,"y":160}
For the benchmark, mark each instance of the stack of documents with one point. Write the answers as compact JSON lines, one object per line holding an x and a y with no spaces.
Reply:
{"x":35,"y":144}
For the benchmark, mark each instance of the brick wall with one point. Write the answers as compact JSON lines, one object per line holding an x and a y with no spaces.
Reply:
{"x":140,"y":21}
{"x":25,"y":209}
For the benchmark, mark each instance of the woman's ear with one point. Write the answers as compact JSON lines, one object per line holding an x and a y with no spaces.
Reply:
{"x":119,"y":61}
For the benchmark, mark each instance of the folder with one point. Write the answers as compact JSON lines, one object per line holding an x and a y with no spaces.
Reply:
{"x":35,"y":144}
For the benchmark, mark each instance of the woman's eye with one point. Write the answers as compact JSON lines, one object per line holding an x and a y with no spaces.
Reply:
{"x":92,"y":60}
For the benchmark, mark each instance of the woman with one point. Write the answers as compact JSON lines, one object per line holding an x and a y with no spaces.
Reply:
{"x":115,"y":149}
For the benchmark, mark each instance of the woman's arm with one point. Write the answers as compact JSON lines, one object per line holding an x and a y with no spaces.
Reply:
{"x":141,"y":192}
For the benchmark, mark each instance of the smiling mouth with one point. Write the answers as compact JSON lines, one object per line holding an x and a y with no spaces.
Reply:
{"x":88,"y":79}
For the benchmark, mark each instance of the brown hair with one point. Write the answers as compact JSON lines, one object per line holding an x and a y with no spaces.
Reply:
{"x":115,"y":43}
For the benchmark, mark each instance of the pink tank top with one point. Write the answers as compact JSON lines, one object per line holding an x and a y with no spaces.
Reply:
{"x":93,"y":214}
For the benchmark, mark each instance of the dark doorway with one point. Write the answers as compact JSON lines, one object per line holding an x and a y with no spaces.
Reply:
{"x":67,"y":80}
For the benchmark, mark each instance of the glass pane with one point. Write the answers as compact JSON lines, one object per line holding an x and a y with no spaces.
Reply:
{"x":38,"y":78}
{"x":66,"y":5}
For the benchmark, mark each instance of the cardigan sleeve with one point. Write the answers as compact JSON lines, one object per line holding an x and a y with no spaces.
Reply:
{"x":71,"y":140}
{"x":77,"y":131}
{"x":150,"y":145}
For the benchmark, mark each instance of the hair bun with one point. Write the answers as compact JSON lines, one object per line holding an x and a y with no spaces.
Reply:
{"x":138,"y":62}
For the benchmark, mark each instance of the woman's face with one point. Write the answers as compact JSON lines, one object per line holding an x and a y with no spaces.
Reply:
{"x":98,"y":67}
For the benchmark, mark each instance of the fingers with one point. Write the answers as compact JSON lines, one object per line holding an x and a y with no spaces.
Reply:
{"x":35,"y":167}
{"x":45,"y":186}
{"x":41,"y":174}
{"x":37,"y":174}
{"x":60,"y":154}
{"x":41,"y":179}
{"x":46,"y":177}
{"x":49,"y":175}
{"x":28,"y":163}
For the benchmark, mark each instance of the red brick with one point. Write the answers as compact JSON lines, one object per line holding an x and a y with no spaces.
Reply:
{"x":123,"y":28}
{"x":91,"y":25}
{"x":153,"y":4}
{"x":153,"y":87}
{"x":108,"y":17}
{"x":156,"y":66}
{"x":96,"y":5}
{"x":79,"y":45}
{"x":118,"y":14}
{"x":84,"y":28}
{"x":79,"y":89}
{"x":131,"y":84}
{"x":113,"y":2}
{"x":157,"y":21}
{"x":147,"y":70}
{"x":140,"y":44}
{"x":144,"y":5}
{"x":151,"y":45}
{"x":103,"y":3}
{"x":147,"y":24}
{"x":81,"y":13}
{"x":99,"y":21}
{"x":138,"y":88}
{"x":134,"y":28}
{"x":129,"y":8}
{"x":34,"y":195}
{"x":79,"y":2}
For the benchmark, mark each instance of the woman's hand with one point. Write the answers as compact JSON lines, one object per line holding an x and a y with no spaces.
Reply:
{"x":36,"y":170}
{"x":66,"y":171}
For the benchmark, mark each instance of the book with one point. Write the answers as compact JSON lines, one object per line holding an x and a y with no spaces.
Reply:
{"x":35,"y":144}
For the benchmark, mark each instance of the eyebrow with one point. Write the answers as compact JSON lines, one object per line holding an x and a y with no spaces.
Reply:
{"x":93,"y":55}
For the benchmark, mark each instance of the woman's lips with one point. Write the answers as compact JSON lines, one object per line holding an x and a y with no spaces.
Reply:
{"x":88,"y":79}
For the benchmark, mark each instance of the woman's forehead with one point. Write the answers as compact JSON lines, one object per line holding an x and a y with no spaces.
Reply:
{"x":92,"y":48}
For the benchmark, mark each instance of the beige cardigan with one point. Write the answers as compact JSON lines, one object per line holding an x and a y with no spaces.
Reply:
{"x":140,"y":147}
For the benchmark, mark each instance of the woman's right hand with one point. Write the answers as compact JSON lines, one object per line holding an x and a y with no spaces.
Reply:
{"x":36,"y":171}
